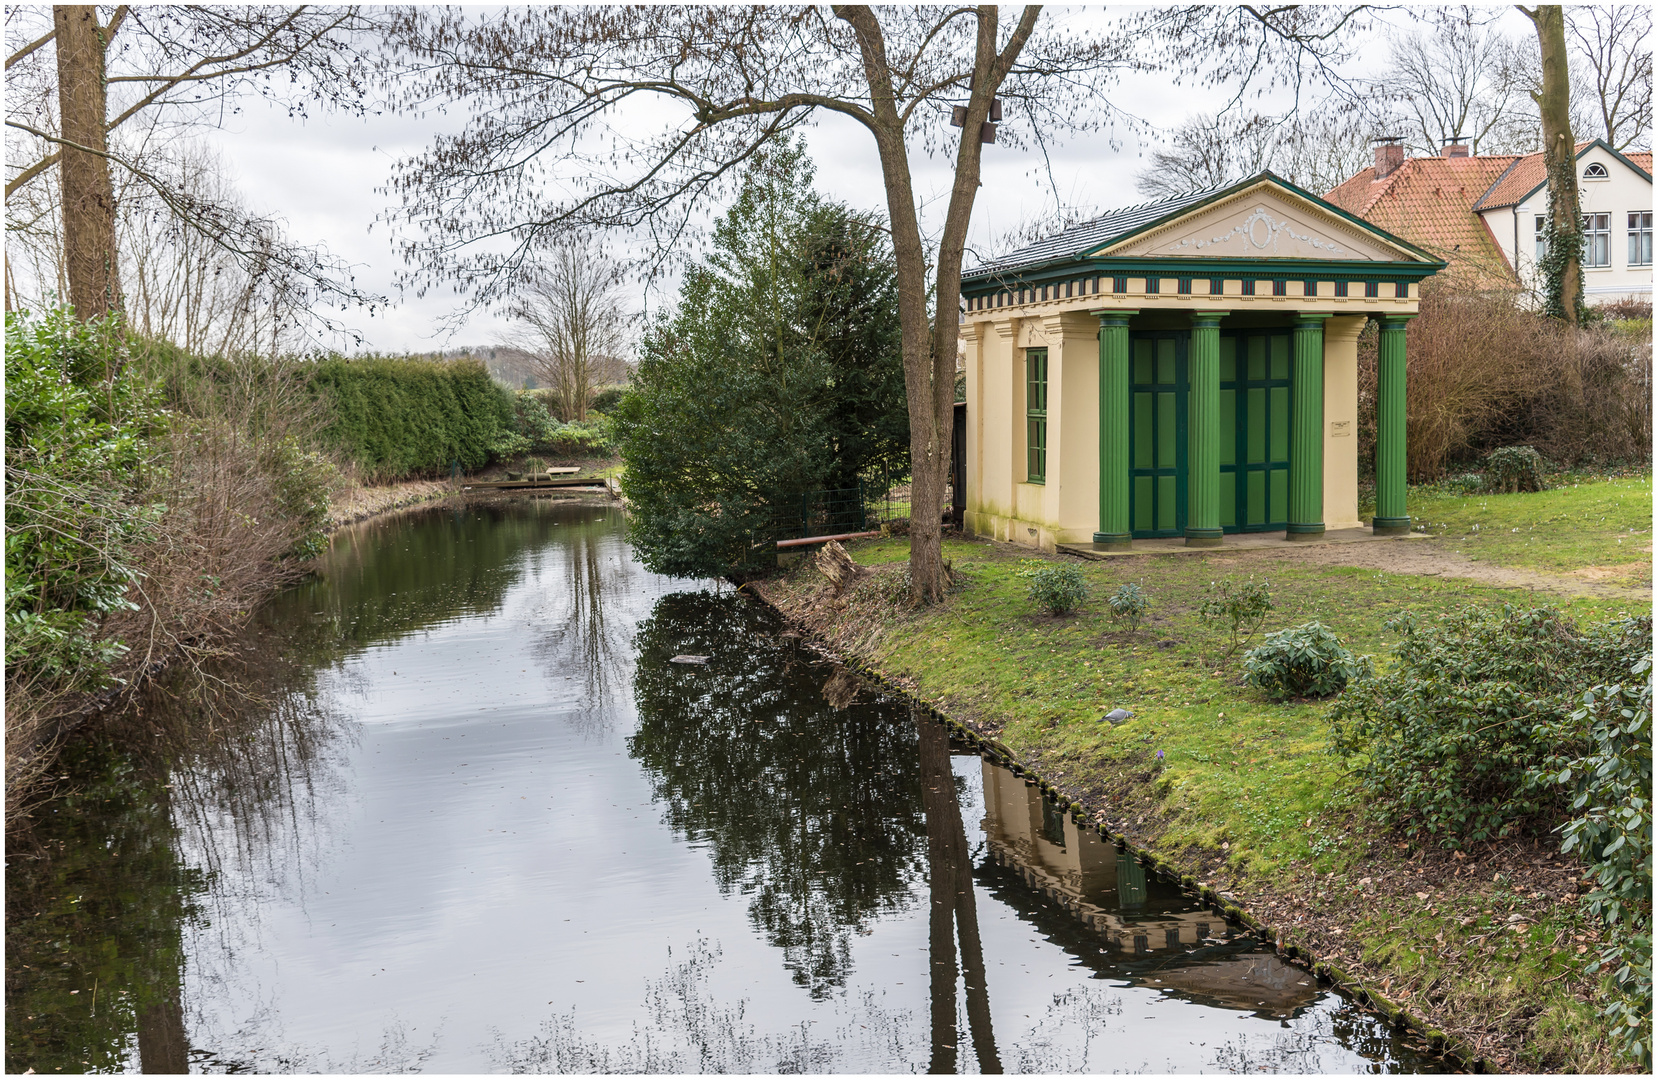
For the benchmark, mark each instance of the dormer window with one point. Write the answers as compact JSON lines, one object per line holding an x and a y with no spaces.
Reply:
{"x":1596,"y":171}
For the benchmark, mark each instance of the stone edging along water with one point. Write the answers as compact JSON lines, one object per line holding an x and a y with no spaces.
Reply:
{"x":1453,"y":1050}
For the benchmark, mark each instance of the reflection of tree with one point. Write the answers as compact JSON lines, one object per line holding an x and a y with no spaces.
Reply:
{"x":686,"y":1029}
{"x":811,"y":812}
{"x":390,"y":577}
{"x":952,"y":911}
{"x":580,"y":632}
{"x":95,"y":899}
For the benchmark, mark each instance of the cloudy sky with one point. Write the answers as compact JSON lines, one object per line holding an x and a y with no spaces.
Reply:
{"x":323,"y":177}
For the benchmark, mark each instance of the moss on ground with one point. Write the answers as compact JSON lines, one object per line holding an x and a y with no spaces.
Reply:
{"x":1246,"y":794}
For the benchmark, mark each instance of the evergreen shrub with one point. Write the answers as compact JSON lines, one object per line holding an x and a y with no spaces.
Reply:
{"x":79,"y":426}
{"x":1058,"y":589}
{"x":1514,"y":468}
{"x":1129,"y":605}
{"x":1449,"y":741}
{"x":397,"y":418}
{"x":1612,"y":833}
{"x":1306,"y":661}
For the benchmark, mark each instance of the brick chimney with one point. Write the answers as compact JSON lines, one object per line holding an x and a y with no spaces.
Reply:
{"x":1454,"y":147}
{"x":1389,"y":156}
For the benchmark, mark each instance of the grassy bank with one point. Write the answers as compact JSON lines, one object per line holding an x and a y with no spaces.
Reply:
{"x":1238,"y":791}
{"x":1599,"y":529}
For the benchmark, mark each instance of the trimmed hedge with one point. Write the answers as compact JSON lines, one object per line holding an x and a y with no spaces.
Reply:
{"x":397,"y":418}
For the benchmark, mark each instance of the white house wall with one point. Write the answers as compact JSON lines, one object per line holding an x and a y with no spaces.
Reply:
{"x":1624,"y":190}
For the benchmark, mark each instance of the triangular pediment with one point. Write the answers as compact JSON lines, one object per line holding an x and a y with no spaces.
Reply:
{"x":1262,"y":221}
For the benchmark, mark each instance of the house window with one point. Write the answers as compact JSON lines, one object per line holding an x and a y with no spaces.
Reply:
{"x":1036,"y":415}
{"x":1597,"y":239}
{"x":1640,"y":238}
{"x":1596,"y":171}
{"x":1542,"y":237}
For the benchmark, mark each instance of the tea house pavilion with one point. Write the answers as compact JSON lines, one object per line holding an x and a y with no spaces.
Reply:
{"x":1187,"y":369}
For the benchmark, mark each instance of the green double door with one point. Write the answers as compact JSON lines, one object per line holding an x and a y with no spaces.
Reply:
{"x":1254,"y":436}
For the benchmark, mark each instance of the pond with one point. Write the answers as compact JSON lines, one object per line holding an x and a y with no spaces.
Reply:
{"x":462,"y":811}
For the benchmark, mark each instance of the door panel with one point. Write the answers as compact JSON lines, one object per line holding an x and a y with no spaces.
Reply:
{"x":1157,"y":435}
{"x":1255,"y":430}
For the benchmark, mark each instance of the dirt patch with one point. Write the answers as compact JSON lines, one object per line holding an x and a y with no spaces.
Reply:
{"x":1428,"y":558}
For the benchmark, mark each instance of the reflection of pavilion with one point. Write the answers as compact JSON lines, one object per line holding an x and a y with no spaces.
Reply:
{"x":1161,"y":935}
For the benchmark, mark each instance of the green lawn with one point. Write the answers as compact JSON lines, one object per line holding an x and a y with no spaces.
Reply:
{"x":1575,"y":525}
{"x":1238,"y":769}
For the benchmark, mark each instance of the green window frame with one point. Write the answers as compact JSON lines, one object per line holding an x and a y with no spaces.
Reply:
{"x":1036,"y":415}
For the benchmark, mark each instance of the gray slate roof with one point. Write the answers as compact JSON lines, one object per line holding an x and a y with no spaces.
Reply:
{"x":1089,"y":236}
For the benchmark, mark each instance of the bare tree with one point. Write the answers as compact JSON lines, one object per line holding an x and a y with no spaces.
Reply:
{"x":1614,"y":44}
{"x":1460,"y":78}
{"x":592,"y":117}
{"x":1315,"y":148}
{"x":84,"y":76}
{"x":1207,"y":150}
{"x":1562,"y":264}
{"x":576,"y":324}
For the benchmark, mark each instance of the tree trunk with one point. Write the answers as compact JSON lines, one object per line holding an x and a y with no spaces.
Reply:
{"x":1562,"y":267}
{"x":88,"y":195}
{"x":950,"y":895}
{"x":930,"y":344}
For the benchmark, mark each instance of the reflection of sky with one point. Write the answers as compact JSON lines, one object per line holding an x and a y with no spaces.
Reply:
{"x":493,"y":888}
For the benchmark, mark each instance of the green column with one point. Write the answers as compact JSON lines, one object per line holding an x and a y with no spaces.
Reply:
{"x":1391,"y":517}
{"x":1114,"y":359}
{"x":1203,"y":433}
{"x":1307,"y":431}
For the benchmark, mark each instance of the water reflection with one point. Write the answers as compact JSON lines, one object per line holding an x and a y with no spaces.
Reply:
{"x":809,"y":811}
{"x":468,"y":815}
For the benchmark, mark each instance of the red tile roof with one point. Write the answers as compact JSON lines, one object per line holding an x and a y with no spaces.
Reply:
{"x":1429,"y":202}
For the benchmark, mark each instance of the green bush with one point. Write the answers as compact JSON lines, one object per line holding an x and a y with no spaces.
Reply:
{"x":607,"y":399}
{"x":1306,"y":661}
{"x":1129,"y":605}
{"x":78,"y":431}
{"x":1448,"y":741}
{"x":1238,"y":609}
{"x":1514,"y":468}
{"x":1058,"y":589}
{"x":1612,"y":833}
{"x":397,"y":418}
{"x":303,"y":480}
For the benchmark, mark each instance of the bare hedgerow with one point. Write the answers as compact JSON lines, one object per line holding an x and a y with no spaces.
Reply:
{"x":1484,"y":372}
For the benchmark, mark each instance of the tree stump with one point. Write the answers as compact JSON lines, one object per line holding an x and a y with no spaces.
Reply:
{"x":837,"y":566}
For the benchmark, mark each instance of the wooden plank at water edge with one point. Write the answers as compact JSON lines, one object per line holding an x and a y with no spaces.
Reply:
{"x":538,"y":482}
